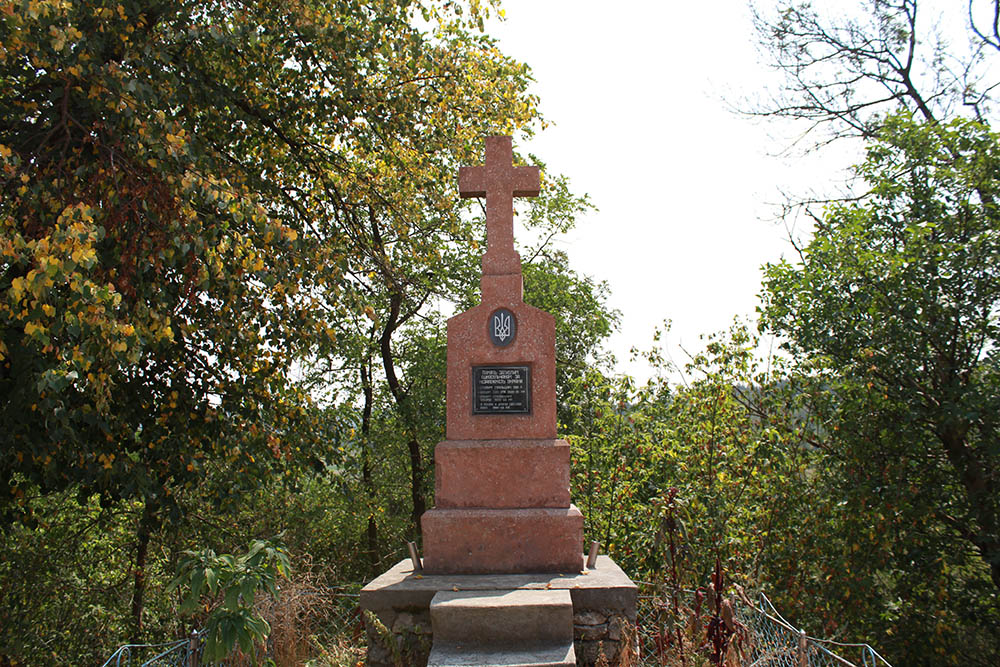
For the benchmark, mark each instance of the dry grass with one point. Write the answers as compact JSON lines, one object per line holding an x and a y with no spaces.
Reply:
{"x":312,"y":623}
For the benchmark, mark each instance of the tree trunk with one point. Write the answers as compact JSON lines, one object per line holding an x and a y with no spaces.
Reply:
{"x":981,"y":491}
{"x":416,"y":460}
{"x":139,"y":572}
{"x":371,"y":533}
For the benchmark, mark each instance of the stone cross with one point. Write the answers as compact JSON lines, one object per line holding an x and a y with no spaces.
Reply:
{"x":499,"y":181}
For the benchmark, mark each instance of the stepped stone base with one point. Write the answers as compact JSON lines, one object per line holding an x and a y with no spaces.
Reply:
{"x":485,"y":541}
{"x":400,"y":630}
{"x":526,"y":656}
{"x":514,"y":627}
{"x":500,"y":617}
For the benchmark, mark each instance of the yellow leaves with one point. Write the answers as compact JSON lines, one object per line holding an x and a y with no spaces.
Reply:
{"x":84,"y":256}
{"x":17,"y":289}
{"x":5,"y":152}
{"x":176,"y":142}
{"x":59,"y":38}
{"x":106,"y":460}
{"x":48,"y":309}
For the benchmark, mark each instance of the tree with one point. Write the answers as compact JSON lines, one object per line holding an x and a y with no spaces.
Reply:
{"x":841,"y":72}
{"x":181,"y":185}
{"x":894,"y":306}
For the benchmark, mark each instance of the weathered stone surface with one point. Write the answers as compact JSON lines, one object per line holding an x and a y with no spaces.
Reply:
{"x":403,"y":644}
{"x":605,"y":587}
{"x":591,"y":631}
{"x":615,"y":627}
{"x":545,"y":655}
{"x":502,"y":540}
{"x":416,"y":621}
{"x":502,"y":617}
{"x":602,"y":593}
{"x":501,"y":473}
{"x":588,"y":652}
{"x":589,"y":617}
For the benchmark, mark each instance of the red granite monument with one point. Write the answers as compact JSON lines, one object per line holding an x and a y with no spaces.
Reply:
{"x":501,"y":476}
{"x":502,"y":581}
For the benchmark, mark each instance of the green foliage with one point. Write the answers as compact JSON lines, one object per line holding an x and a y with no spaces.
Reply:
{"x":64,"y":584}
{"x":892,"y":312}
{"x":226,"y":586}
{"x":730,"y":442}
{"x":199,"y":202}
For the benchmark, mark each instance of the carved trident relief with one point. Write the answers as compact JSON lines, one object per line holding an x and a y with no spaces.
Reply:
{"x":503,"y":327}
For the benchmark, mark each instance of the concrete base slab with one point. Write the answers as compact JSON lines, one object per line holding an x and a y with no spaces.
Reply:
{"x":400,"y":588}
{"x":485,"y":541}
{"x":505,"y":618}
{"x":554,"y":655}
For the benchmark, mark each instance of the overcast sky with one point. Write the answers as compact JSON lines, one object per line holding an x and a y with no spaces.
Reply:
{"x":637,"y":92}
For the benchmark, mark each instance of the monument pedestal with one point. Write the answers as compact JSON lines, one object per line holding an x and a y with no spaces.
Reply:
{"x":400,"y":625}
{"x":502,"y":506}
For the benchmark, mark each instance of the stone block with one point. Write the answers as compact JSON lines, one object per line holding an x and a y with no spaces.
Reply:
{"x":469,"y":345}
{"x":605,"y":588}
{"x":502,"y":617}
{"x":545,"y":655}
{"x":590,"y":617}
{"x":588,"y":653}
{"x":501,"y":473}
{"x":484,"y":541}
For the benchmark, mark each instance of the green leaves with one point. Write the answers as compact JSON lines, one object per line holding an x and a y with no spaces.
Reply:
{"x":225,"y":586}
{"x":894,"y":307}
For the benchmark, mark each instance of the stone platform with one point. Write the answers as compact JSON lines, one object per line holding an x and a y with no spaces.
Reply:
{"x":603,"y":601}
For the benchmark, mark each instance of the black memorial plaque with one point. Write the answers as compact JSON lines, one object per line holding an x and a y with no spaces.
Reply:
{"x":501,"y":390}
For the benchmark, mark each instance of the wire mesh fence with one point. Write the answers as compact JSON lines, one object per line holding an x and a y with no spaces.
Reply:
{"x":665,"y":629}
{"x":761,"y":637}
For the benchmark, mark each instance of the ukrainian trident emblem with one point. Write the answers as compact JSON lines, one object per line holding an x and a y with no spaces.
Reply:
{"x":503,"y":327}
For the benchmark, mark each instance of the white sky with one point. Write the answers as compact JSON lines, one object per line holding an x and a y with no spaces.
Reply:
{"x":637,"y":93}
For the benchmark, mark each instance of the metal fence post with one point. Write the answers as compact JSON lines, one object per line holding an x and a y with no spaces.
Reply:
{"x":192,"y":652}
{"x":803,"y":649}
